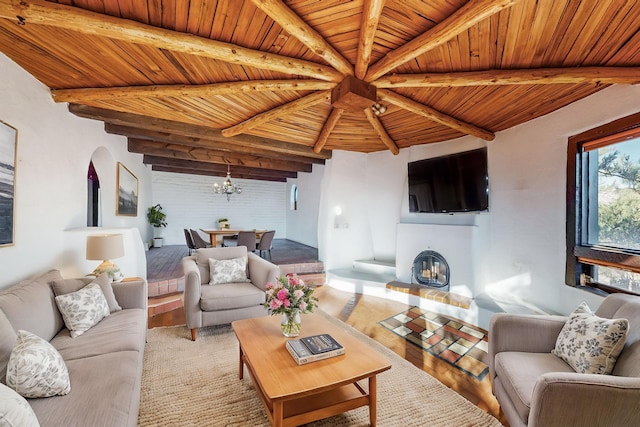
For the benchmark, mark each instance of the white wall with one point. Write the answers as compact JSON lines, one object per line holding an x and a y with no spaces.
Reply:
{"x":518,"y":248}
{"x":54,"y":149}
{"x":302,"y":224}
{"x":189,"y":202}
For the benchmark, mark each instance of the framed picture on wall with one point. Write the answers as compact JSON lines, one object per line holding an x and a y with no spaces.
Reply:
{"x":127,"y":196}
{"x":8,"y":156}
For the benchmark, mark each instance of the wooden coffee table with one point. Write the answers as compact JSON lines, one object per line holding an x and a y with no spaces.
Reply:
{"x":295,"y":394}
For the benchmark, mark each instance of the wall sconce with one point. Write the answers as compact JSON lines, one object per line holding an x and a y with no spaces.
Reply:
{"x":378,"y":108}
{"x":105,"y":247}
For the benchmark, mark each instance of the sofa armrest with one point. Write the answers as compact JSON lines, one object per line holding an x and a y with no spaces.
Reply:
{"x":131,"y":294}
{"x":192,"y":290}
{"x":562,"y":399}
{"x":262,"y":271}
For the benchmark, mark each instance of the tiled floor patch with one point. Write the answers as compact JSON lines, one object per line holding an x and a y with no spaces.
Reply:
{"x":463,"y":346}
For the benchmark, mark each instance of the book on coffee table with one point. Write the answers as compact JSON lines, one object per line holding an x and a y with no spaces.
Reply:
{"x":314,"y":348}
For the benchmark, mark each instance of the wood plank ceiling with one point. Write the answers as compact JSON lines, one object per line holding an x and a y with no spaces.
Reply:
{"x":196,"y":85}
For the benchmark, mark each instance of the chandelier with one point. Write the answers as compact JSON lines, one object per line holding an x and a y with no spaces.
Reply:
{"x":227,"y":187}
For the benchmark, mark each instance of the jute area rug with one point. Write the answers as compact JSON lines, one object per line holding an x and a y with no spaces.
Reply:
{"x":186,"y":383}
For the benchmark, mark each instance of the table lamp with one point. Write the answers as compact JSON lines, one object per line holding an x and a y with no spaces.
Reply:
{"x":105,"y":247}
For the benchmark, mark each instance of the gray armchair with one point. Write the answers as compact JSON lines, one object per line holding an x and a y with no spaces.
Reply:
{"x":206,"y":305}
{"x":536,"y":388}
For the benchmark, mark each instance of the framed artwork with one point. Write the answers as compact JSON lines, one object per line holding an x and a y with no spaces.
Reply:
{"x":8,"y":156}
{"x":127,"y":183}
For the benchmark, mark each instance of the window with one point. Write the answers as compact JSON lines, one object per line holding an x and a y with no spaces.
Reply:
{"x":293,"y":199}
{"x":603,"y":208}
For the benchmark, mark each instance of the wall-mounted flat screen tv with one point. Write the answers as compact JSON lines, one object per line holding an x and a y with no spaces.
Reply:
{"x":453,"y":183}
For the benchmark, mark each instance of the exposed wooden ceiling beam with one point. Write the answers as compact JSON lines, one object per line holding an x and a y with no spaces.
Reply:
{"x":225,"y":145}
{"x":435,"y":115}
{"x":331,"y":122}
{"x":193,"y":131}
{"x":215,"y":167}
{"x":461,"y":20}
{"x":183,"y":152}
{"x":540,"y":76}
{"x":172,"y":169}
{"x":81,"y":95}
{"x":38,"y":12}
{"x":381,"y":131}
{"x":294,"y":25}
{"x":274,"y":113}
{"x":371,"y":11}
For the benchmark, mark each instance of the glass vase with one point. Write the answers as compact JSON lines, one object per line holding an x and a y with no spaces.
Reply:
{"x":291,"y":324}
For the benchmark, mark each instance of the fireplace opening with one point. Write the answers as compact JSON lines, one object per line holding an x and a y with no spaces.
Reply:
{"x":431,"y":269}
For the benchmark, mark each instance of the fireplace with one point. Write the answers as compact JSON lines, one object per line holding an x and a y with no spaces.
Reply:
{"x":431,"y":269}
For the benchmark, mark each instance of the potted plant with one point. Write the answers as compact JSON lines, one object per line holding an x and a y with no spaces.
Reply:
{"x":157,"y":219}
{"x":223,"y":223}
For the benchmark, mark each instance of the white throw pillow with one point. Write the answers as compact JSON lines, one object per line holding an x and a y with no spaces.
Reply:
{"x":14,"y":410}
{"x":591,"y":344}
{"x":83,"y":309}
{"x":36,"y":369}
{"x":66,"y":286}
{"x":227,"y":270}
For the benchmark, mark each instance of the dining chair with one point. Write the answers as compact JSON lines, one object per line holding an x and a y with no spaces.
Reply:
{"x":198,"y":241}
{"x":266,"y":243}
{"x":189,"y":239}
{"x":248,"y":239}
{"x":233,"y":239}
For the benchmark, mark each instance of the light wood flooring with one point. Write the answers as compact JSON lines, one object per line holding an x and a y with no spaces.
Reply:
{"x":363,"y":312}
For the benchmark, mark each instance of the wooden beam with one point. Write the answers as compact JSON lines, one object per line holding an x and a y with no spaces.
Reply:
{"x":38,"y":12}
{"x":212,"y":156}
{"x":214,"y":167}
{"x":540,"y":76}
{"x":234,"y":175}
{"x":82,"y":95}
{"x":371,"y":11}
{"x":435,"y":115}
{"x":294,"y":25}
{"x":381,"y":131}
{"x":192,"y":131}
{"x":461,"y":20}
{"x":274,"y":113}
{"x":209,"y":144}
{"x":331,"y":122}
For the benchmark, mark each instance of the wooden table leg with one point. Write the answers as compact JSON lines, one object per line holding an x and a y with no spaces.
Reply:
{"x":278,"y":413}
{"x":372,"y":401}
{"x":241,"y":367}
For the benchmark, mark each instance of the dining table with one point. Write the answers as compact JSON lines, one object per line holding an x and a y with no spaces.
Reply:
{"x":215,"y":232}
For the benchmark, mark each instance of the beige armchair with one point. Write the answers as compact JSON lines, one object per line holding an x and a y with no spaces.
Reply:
{"x":206,"y":305}
{"x":536,"y":388}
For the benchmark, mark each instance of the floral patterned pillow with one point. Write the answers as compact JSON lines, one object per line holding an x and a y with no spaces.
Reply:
{"x":591,"y":344}
{"x":14,"y":410}
{"x":83,"y":309}
{"x":227,"y":270}
{"x":36,"y":369}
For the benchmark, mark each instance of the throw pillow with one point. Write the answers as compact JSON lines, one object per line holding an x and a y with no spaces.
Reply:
{"x":36,"y":369}
{"x":66,"y":286}
{"x":591,"y":344}
{"x":83,"y":309}
{"x":228,"y":270}
{"x":14,"y":410}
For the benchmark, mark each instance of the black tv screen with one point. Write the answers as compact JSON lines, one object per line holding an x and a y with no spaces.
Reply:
{"x":454,"y":183}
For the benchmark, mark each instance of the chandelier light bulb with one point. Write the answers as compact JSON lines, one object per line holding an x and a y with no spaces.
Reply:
{"x":227,"y":187}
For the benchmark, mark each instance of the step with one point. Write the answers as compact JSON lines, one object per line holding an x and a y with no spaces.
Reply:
{"x":373,"y":266}
{"x":164,"y":303}
{"x":165,"y":287}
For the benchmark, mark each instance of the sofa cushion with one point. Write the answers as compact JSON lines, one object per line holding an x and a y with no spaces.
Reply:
{"x":30,"y":306}
{"x":36,"y":369}
{"x":66,"y":286}
{"x":591,"y":344}
{"x":202,"y":258}
{"x":121,"y":331}
{"x":15,"y":410}
{"x":227,"y":270}
{"x":519,"y":371}
{"x":83,"y":309}
{"x":229,"y":296}
{"x":105,"y":392}
{"x":7,"y":340}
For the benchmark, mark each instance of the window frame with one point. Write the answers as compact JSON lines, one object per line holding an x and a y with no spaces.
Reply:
{"x":581,"y":258}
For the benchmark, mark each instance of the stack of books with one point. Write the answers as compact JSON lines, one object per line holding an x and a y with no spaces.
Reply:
{"x":314,"y":348}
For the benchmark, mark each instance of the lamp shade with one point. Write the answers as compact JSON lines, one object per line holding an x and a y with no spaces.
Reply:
{"x":105,"y":246}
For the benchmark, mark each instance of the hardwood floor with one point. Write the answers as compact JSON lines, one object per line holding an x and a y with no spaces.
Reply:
{"x":363,"y":312}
